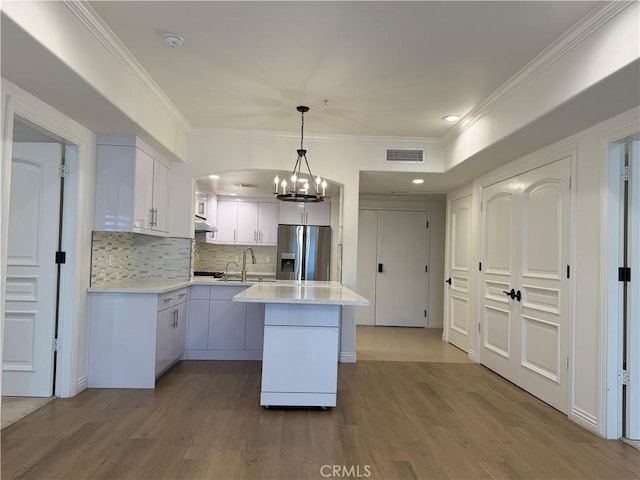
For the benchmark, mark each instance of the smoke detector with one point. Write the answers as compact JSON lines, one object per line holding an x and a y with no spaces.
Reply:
{"x":173,"y":40}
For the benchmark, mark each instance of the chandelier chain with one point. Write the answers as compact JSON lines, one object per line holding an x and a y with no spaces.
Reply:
{"x":301,"y":130}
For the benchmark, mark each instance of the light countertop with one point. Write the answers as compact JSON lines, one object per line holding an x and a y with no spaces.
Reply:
{"x":146,"y":286}
{"x":163,"y":286}
{"x":313,"y":293}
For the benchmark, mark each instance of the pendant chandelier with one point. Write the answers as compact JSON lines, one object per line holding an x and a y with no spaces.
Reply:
{"x":300,"y":189}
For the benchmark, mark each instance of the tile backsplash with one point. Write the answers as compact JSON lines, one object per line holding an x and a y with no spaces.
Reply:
{"x":213,"y":258}
{"x":117,"y":256}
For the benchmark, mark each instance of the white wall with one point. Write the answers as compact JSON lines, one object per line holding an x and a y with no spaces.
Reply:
{"x":580,"y":59}
{"x":78,"y":38}
{"x":589,"y":317}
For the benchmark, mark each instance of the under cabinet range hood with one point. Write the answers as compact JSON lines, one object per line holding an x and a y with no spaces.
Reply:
{"x":201,"y":225}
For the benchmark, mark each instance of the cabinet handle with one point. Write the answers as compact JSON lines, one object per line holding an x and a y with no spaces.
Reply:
{"x":234,"y":234}
{"x":168,"y":299}
{"x":182,"y":295}
{"x":255,"y":235}
{"x":260,"y":236}
{"x":306,"y":217}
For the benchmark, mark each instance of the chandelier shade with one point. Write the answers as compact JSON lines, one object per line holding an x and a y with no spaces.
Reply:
{"x":299,"y":188}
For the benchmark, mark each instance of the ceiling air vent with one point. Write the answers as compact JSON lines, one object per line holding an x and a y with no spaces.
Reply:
{"x":405,"y":155}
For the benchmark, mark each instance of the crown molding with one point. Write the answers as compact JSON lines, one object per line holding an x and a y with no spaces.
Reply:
{"x":400,"y":142}
{"x":563,"y":45}
{"x":101,"y":31}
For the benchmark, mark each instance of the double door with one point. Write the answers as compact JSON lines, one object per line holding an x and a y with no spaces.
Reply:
{"x":525,"y":290}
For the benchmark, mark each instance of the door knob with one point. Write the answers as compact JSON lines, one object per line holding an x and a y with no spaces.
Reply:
{"x":448,"y":280}
{"x":511,"y":294}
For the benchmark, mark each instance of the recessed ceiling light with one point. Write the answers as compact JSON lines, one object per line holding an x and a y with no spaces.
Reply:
{"x":417,"y":181}
{"x":214,"y":177}
{"x":451,"y":118}
{"x":233,"y":194}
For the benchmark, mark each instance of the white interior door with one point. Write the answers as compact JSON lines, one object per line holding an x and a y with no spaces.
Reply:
{"x":632,"y":407}
{"x":545,"y":308}
{"x":459,"y":267}
{"x":525,"y":287}
{"x":367,"y":264}
{"x":499,"y":338}
{"x":30,"y":308}
{"x":401,"y":286}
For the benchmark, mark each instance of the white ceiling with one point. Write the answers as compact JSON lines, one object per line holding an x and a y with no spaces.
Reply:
{"x":387,"y":68}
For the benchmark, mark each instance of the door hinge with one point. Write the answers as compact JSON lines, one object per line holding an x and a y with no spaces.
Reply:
{"x":623,"y":377}
{"x":567,"y":362}
{"x":426,"y":268}
{"x":479,"y":266}
{"x":479,"y":328}
{"x":427,"y":223}
{"x":63,"y":170}
{"x":569,"y":183}
{"x":57,"y":345}
{"x":625,"y":173}
{"x":568,"y":271}
{"x":425,"y":314}
{"x":61,"y":257}
{"x":624,"y":274}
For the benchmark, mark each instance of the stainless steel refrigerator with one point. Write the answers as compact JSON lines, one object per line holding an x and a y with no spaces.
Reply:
{"x":304,"y":252}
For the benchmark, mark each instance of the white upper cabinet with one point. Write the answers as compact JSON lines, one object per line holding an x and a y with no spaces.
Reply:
{"x":132,"y":187}
{"x":247,"y":223}
{"x":292,"y":213}
{"x":227,"y":222}
{"x":268,"y":223}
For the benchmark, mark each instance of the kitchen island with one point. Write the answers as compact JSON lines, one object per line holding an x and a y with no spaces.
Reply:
{"x":301,"y":340}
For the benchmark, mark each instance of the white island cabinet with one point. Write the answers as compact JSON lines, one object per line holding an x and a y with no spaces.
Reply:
{"x":220,"y":329}
{"x":135,"y":335}
{"x":301,"y":340}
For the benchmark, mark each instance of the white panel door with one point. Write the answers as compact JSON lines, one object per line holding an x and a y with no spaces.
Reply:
{"x":632,"y":427}
{"x":367,"y":264}
{"x":499,"y":339}
{"x":30,"y":308}
{"x":459,"y":263}
{"x":401,"y":286}
{"x":544,"y":310}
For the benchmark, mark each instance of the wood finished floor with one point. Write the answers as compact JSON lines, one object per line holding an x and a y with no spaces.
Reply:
{"x":401,"y":419}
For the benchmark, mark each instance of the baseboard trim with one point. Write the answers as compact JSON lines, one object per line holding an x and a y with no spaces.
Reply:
{"x":82,"y":383}
{"x":584,"y":419}
{"x":473,"y":355}
{"x":223,"y":355}
{"x":349,"y":357}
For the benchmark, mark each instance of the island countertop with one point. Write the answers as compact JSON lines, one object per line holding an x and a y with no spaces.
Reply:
{"x":312,"y":293}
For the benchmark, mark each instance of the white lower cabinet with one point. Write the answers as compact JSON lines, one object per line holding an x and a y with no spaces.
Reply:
{"x":134,"y":337}
{"x":221,"y":329}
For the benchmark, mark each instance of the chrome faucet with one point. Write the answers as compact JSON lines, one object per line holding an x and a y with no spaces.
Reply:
{"x":244,"y":262}
{"x":226,"y":270}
